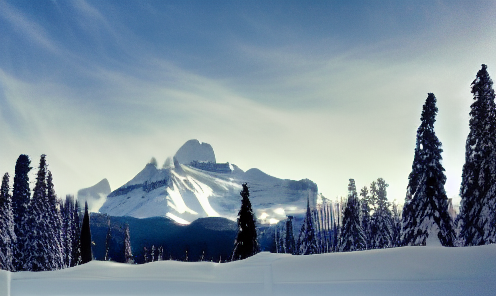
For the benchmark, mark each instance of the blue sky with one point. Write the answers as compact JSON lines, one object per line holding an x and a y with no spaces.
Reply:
{"x":325,"y":90}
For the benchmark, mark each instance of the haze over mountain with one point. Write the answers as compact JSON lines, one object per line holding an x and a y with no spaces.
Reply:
{"x":94,"y":195}
{"x":192,"y":185}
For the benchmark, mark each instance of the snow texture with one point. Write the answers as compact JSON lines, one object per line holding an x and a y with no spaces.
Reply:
{"x":397,"y":271}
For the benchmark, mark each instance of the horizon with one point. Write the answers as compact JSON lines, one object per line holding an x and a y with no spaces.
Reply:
{"x":325,"y":91}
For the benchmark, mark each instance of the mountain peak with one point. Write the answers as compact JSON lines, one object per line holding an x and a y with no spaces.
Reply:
{"x":195,"y":150}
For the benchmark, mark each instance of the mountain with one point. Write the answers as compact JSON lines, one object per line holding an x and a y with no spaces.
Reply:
{"x":192,"y":185}
{"x":194,"y":150}
{"x":94,"y":195}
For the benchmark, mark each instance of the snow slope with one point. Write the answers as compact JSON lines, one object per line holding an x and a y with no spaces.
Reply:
{"x":399,"y":271}
{"x":186,"y":192}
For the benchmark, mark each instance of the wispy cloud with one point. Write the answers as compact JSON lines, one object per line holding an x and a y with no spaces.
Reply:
{"x":31,"y":30}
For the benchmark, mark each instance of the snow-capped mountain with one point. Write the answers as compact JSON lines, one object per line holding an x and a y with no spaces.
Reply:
{"x":192,"y":185}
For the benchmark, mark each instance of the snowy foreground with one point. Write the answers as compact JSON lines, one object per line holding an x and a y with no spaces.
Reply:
{"x":399,"y":271}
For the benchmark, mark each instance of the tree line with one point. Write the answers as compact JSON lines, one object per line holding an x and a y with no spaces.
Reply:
{"x":371,"y":222}
{"x":39,"y":231}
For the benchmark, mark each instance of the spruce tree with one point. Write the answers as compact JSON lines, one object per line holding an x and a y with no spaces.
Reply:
{"x":21,"y":195}
{"x":352,"y":237}
{"x":86,"y":254}
{"x":54,"y":227}
{"x":108,"y":239}
{"x":246,"y":243}
{"x":146,"y":258}
{"x":477,"y":209}
{"x":160,"y":253}
{"x":152,"y":254}
{"x":38,"y":239}
{"x":381,"y":230}
{"x":426,"y":205}
{"x":307,"y":245}
{"x":396,"y":223}
{"x":128,"y":255}
{"x":76,"y":236}
{"x":7,"y":235}
{"x":289,"y":239}
{"x":68,"y":229}
{"x":365,"y":219}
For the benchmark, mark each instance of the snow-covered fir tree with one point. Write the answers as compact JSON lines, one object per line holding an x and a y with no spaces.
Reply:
{"x":246,"y":243}
{"x":108,"y":239}
{"x":146,"y":259}
{"x":86,"y":253}
{"x":365,"y":209}
{"x":21,"y":195}
{"x":426,"y":204}
{"x":68,"y":229}
{"x":307,"y":245}
{"x":128,"y":254}
{"x":289,"y":237}
{"x":478,"y":192}
{"x":352,"y":237}
{"x":396,"y":224}
{"x":54,"y":226}
{"x":38,"y":239}
{"x":381,"y":229}
{"x":152,"y":254}
{"x":160,"y":253}
{"x":76,"y":235}
{"x":7,"y":235}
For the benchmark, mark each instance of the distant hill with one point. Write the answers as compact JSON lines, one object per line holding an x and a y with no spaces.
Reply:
{"x":212,"y":236}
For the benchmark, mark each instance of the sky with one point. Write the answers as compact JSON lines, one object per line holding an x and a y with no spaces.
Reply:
{"x":324,"y":90}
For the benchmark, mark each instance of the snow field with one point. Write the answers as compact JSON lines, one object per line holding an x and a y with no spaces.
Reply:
{"x":398,"y":271}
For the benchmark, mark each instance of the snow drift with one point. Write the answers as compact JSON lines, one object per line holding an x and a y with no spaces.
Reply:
{"x":398,"y":271}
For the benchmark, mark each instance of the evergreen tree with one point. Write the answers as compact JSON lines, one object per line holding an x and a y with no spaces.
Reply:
{"x":152,"y":254}
{"x":146,"y":259}
{"x":289,"y":242}
{"x":68,"y":229}
{"x":307,"y":245}
{"x":246,"y":243}
{"x":396,"y":223}
{"x":128,"y":255}
{"x":86,"y":254}
{"x":37,"y":240}
{"x":21,"y":195}
{"x":352,"y":236}
{"x":54,"y":227}
{"x":108,"y":239}
{"x":426,"y":205}
{"x":160,"y":253}
{"x":365,"y":219}
{"x":7,"y":235}
{"x":381,"y":230}
{"x":76,"y":236}
{"x":477,"y":209}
